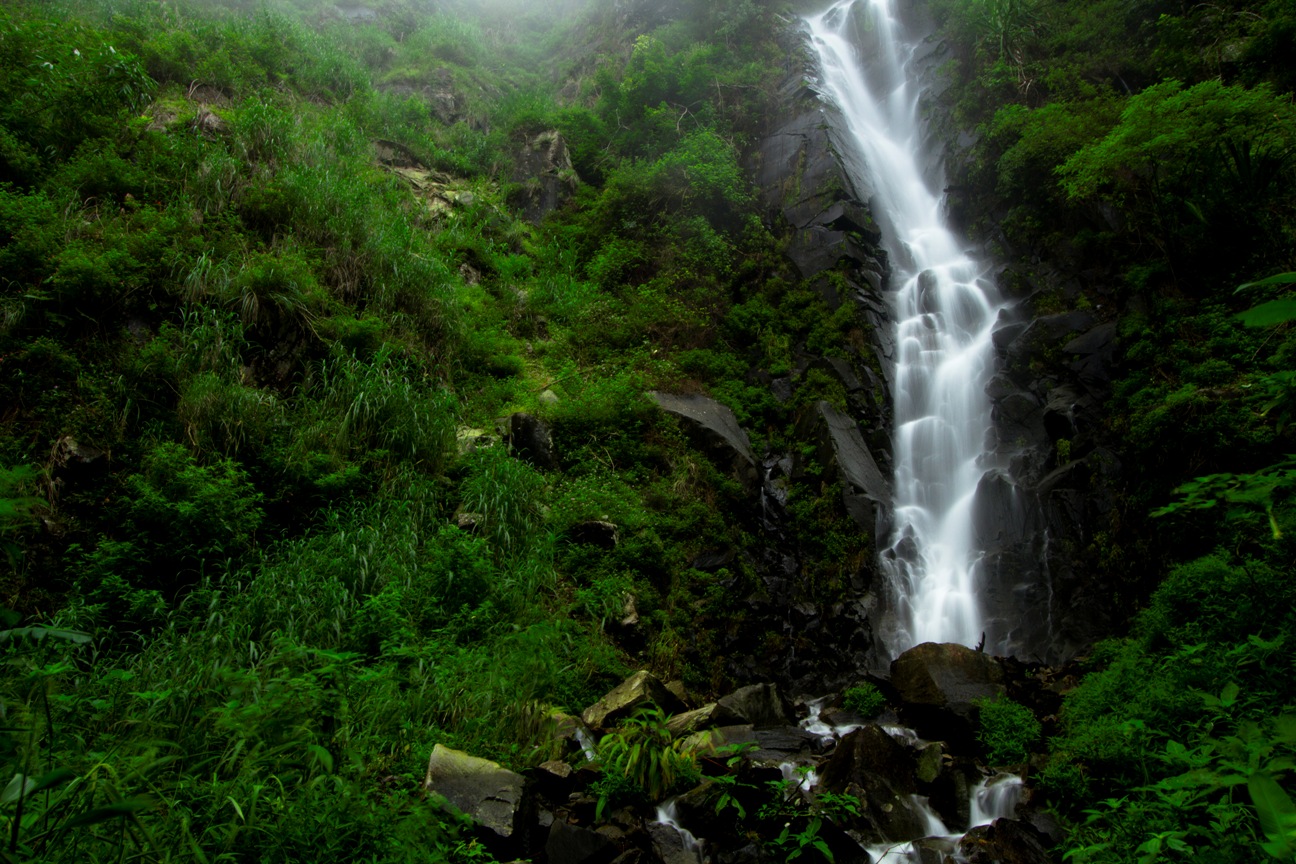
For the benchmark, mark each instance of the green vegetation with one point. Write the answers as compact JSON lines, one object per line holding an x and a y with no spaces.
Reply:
{"x":865,"y":699}
{"x":1006,"y":730}
{"x":266,"y":292}
{"x":1146,"y":148}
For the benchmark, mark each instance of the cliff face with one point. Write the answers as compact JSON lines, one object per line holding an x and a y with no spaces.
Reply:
{"x":1036,"y":517}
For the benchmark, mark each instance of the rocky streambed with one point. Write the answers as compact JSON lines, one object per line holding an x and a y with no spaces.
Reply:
{"x":756,"y":777}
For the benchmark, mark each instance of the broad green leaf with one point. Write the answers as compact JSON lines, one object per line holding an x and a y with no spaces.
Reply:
{"x":1279,"y":279}
{"x":19,"y":787}
{"x":115,"y":810}
{"x":1228,"y":697}
{"x":1267,"y":314}
{"x":76,"y":637}
{"x":1277,"y":814}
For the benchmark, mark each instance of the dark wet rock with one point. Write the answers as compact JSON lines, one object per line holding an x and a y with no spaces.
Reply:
{"x":670,"y":847}
{"x":529,"y":438}
{"x":939,"y":682}
{"x":869,"y":750}
{"x":1094,"y":354}
{"x":840,"y":443}
{"x":1003,"y":514}
{"x":714,"y":560}
{"x":691,"y":721}
{"x":483,"y":790}
{"x":595,"y":533}
{"x":543,"y":168}
{"x":760,"y":705}
{"x":573,"y":844}
{"x":784,"y":744}
{"x":639,"y":690}
{"x":396,"y":155}
{"x":934,"y":850}
{"x":1047,"y":332}
{"x":716,"y":430}
{"x":1005,"y":841}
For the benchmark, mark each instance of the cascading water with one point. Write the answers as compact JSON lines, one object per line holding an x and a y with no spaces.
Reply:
{"x":945,"y":314}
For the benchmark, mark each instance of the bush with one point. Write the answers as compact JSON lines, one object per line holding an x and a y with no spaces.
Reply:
{"x":864,"y":699}
{"x":1007,"y":731}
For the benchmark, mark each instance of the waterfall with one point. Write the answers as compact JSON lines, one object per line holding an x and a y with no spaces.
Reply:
{"x":945,"y":314}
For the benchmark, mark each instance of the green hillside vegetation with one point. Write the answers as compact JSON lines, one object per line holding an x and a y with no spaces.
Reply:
{"x":248,"y":379}
{"x":267,"y":287}
{"x":1147,"y":151}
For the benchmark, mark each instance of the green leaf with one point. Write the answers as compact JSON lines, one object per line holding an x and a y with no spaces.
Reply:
{"x":1279,"y":279}
{"x":115,"y":810}
{"x":1277,"y":814}
{"x":1267,"y":314}
{"x":76,"y":637}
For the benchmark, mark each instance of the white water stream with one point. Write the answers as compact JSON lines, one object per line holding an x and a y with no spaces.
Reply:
{"x":945,"y":314}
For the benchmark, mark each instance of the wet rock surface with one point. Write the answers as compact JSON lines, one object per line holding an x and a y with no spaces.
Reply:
{"x":489,"y":794}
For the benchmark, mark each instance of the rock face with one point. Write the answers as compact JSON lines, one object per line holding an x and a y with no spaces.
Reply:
{"x":946,"y":676}
{"x":572,"y":844}
{"x":1005,"y":841}
{"x":529,"y":437}
{"x":479,"y":788}
{"x":544,"y":168}
{"x":870,"y":765}
{"x":758,"y":705}
{"x":640,"y":689}
{"x":716,"y":431}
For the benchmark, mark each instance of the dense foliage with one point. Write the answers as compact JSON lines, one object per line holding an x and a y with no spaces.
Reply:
{"x":1145,"y":150}
{"x":266,"y":288}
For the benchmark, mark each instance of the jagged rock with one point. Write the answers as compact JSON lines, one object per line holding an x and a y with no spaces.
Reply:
{"x":691,"y":721}
{"x":483,"y":790}
{"x":869,"y":750}
{"x":543,"y":167}
{"x":1094,"y":352}
{"x":396,"y":155}
{"x":640,"y":689}
{"x":681,"y":692}
{"x":867,"y":492}
{"x":595,"y":532}
{"x":1005,"y":841}
{"x":529,"y":437}
{"x":552,"y":781}
{"x":572,"y":844}
{"x":930,"y":761}
{"x":717,"y":432}
{"x":783,"y":744}
{"x":760,"y":705}
{"x":869,"y":764}
{"x":1002,"y":514}
{"x":946,"y":675}
{"x":670,"y":846}
{"x":469,"y":440}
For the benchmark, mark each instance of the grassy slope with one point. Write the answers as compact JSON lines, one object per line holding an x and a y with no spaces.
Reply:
{"x":246,"y":362}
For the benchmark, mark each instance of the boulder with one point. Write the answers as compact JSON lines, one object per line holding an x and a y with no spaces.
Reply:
{"x":946,"y":676}
{"x":640,"y":689}
{"x":691,"y":721}
{"x":543,"y":168}
{"x":671,"y":846}
{"x":1004,"y":841}
{"x":869,"y":750}
{"x":572,"y":844}
{"x":716,"y":431}
{"x":492,"y":796}
{"x":595,"y":532}
{"x":759,"y":705}
{"x":529,"y":438}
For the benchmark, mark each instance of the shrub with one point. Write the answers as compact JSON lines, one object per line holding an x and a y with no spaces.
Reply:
{"x":864,"y":699}
{"x":1007,"y":731}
